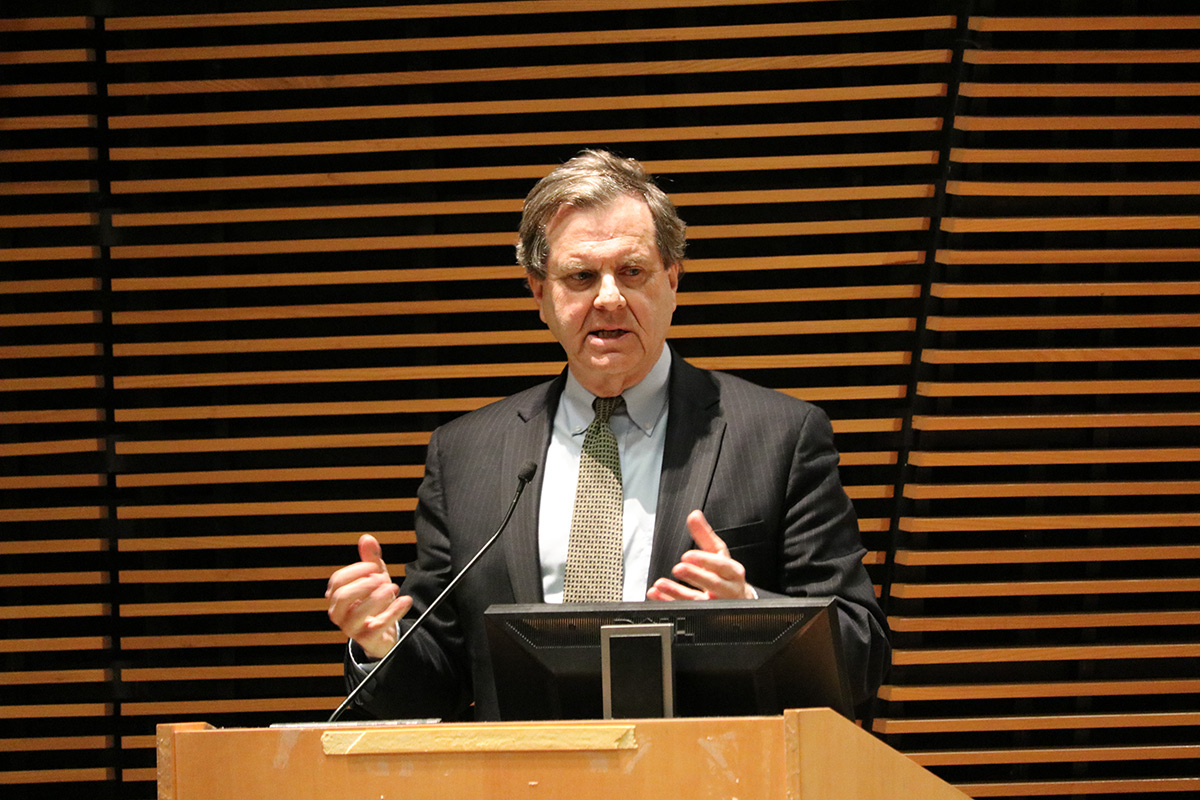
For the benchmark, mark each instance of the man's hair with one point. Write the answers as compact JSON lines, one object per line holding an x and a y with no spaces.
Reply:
{"x":593,"y":179}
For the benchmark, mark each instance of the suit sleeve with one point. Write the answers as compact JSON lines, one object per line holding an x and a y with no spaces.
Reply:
{"x":823,"y":551}
{"x":428,"y":676}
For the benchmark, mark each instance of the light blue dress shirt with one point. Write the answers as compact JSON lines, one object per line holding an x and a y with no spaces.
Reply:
{"x":641,"y":434}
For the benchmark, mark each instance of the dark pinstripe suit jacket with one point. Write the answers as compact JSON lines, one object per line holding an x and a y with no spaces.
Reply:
{"x":760,"y":464}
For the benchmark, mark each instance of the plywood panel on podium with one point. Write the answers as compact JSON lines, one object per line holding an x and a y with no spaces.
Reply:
{"x":804,"y":755}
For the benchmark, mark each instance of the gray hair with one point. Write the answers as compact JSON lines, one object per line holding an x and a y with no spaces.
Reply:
{"x":593,"y":179}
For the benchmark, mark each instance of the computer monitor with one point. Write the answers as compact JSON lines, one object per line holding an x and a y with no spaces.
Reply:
{"x":730,"y":657}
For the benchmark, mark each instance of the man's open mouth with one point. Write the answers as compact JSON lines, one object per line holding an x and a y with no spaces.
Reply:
{"x":615,"y":333}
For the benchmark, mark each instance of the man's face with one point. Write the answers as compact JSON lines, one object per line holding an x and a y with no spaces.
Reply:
{"x":607,"y":297}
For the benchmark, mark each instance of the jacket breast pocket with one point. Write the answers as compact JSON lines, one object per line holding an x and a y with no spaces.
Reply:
{"x":750,"y":544}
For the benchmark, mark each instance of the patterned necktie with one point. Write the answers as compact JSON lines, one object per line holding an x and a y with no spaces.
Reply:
{"x":595,"y":565}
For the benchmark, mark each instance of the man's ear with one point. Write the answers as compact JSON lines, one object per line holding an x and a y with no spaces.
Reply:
{"x":536,"y":287}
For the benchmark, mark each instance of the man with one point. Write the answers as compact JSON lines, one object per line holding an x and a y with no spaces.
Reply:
{"x":724,"y":489}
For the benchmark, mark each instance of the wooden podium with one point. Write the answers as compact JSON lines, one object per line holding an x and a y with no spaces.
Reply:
{"x":812,"y":754}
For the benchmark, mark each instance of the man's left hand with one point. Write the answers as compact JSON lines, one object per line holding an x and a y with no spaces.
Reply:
{"x":709,"y":572}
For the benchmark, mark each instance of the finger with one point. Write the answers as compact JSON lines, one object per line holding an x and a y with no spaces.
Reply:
{"x":349,"y":574}
{"x":667,"y":589}
{"x":346,"y":600}
{"x":724,"y":567}
{"x":369,"y":550}
{"x":702,"y":533}
{"x":388,"y":618}
{"x":727,"y":582}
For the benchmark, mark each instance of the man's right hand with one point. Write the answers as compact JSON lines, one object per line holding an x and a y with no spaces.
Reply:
{"x":363,"y":601}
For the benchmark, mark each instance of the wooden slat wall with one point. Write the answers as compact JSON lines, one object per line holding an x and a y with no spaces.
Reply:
{"x":1045,"y":570}
{"x":56,"y":703}
{"x":253,"y":258}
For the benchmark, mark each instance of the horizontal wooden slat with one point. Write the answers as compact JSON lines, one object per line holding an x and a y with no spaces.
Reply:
{"x":1052,"y":354}
{"x":1048,"y":555}
{"x":1045,"y":522}
{"x":417,"y":44}
{"x":1007,"y":691}
{"x":1113,"y":289}
{"x":54,"y":579}
{"x":1042,"y":588}
{"x":314,"y":442}
{"x":1088,"y":89}
{"x":1078,"y":123}
{"x":276,"y":377}
{"x":227,"y":575}
{"x":218,"y":607}
{"x":1070,"y":188}
{"x":1131,"y":22}
{"x":55,"y":122}
{"x":818,"y":394}
{"x":58,"y":382}
{"x":248,"y":671}
{"x":47,"y":89}
{"x":22,"y":24}
{"x":276,"y":638}
{"x":345,"y":539}
{"x":1003,"y":622}
{"x":52,"y":416}
{"x":815,"y":128}
{"x":402,"y":12}
{"x":462,"y":207}
{"x":55,"y":611}
{"x":1150,"y":255}
{"x":433,"y":77}
{"x":48,"y":253}
{"x":18,"y":546}
{"x":976,"y":458}
{"x":1071,"y":155}
{"x":63,"y":775}
{"x":1056,"y":755}
{"x":63,"y":56}
{"x":1063,"y":322}
{"x":55,"y":644}
{"x":208,"y":477}
{"x":52,"y":676}
{"x":245,"y":705}
{"x":48,"y":154}
{"x":1026,"y":388}
{"x":1037,"y":723}
{"x":51,"y":318}
{"x":52,"y":743}
{"x":1141,"y":55}
{"x":434,"y":274}
{"x":981,"y":422}
{"x":1166,"y":222}
{"x":253,"y":410}
{"x":69,"y":219}
{"x":474,"y":338}
{"x":263,"y":508}
{"x":918,"y":491}
{"x":53,"y":513}
{"x":446,"y":109}
{"x":1118,"y":786}
{"x":1002,"y":655}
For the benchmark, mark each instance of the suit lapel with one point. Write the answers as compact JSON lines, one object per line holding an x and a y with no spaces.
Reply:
{"x":528,"y":440}
{"x":695,"y":430}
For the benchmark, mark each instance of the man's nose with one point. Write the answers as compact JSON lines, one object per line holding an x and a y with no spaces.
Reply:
{"x":609,"y":295}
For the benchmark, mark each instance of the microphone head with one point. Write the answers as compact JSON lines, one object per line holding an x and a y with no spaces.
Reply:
{"x":526,"y":473}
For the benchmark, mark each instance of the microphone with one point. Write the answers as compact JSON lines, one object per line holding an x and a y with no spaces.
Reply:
{"x":524,"y":475}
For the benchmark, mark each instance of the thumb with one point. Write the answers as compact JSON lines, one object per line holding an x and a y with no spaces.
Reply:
{"x":703,"y":535}
{"x":369,"y":550}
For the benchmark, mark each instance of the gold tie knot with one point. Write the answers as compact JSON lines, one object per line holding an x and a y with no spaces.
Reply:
{"x":605,"y":407}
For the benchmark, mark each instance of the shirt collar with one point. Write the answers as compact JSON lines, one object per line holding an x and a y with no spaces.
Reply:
{"x":644,"y":401}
